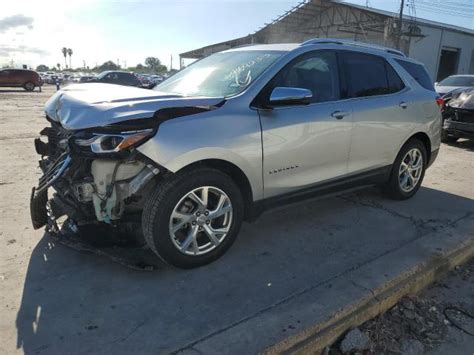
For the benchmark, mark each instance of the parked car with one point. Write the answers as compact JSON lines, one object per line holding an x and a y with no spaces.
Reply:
{"x":231,"y":135}
{"x":458,"y":115}
{"x":53,"y":78}
{"x":27,"y":79}
{"x":454,"y":82}
{"x":86,"y":78}
{"x":117,"y":77}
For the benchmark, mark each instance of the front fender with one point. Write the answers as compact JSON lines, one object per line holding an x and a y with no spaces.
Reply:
{"x":233,"y":137}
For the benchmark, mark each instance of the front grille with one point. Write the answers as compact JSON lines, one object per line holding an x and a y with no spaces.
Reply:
{"x":54,"y":172}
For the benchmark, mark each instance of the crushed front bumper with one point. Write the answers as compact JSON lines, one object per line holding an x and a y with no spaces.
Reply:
{"x":459,"y":129}
{"x":39,"y":194}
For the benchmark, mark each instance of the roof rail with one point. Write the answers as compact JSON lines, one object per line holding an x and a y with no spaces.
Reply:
{"x":352,"y":43}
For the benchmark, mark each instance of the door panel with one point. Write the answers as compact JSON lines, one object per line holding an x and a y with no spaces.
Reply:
{"x":380,"y":125}
{"x":5,"y":77}
{"x":381,"y":110}
{"x":304,"y":145}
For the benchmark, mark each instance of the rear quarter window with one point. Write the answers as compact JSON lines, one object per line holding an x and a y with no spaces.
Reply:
{"x":417,"y":72}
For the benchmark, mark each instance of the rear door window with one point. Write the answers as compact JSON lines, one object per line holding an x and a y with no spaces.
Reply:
{"x":417,"y":72}
{"x":370,"y":75}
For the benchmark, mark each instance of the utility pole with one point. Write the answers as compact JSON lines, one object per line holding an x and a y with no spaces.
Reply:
{"x":400,"y":24}
{"x":171,"y":61}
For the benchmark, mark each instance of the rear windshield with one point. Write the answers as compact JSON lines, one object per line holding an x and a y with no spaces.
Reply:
{"x":417,"y":72}
{"x":458,"y":81}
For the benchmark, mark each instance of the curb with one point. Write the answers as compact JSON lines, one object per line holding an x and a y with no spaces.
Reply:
{"x":316,"y":338}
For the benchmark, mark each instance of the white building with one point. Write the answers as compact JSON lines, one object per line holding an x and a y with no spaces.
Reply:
{"x":444,"y":49}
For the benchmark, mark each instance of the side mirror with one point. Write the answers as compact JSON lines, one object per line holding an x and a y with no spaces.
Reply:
{"x":283,"y":96}
{"x":436,"y":84}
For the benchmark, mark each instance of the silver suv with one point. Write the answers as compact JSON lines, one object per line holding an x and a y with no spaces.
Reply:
{"x":233,"y":134}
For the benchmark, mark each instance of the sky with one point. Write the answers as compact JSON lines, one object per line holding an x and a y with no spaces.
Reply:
{"x":32,"y":32}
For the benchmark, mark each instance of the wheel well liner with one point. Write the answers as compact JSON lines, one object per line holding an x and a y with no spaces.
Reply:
{"x":235,"y":174}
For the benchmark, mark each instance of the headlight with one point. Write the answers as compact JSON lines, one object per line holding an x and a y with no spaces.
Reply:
{"x":113,"y":143}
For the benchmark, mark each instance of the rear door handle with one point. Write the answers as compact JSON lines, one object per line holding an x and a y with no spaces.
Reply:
{"x":403,"y":104}
{"x":339,"y":115}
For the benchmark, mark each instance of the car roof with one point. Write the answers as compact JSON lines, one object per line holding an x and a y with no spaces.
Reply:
{"x":327,"y":43}
{"x":18,"y":69}
{"x":283,"y":47}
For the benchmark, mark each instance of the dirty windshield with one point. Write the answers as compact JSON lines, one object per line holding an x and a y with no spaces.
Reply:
{"x":220,"y":75}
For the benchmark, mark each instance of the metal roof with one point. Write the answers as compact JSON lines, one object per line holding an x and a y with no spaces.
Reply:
{"x":372,"y":20}
{"x":418,"y":20}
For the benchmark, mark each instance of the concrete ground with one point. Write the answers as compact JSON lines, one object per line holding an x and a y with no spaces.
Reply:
{"x":293,"y":267}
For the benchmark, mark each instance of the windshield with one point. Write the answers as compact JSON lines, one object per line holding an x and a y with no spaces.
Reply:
{"x":458,"y":81}
{"x":103,"y":74}
{"x":220,"y":75}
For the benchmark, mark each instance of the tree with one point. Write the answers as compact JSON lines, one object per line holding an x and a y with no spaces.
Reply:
{"x":109,"y":65}
{"x":154,"y":64}
{"x":69,"y":52}
{"x":64,"y":50}
{"x":59,"y":66}
{"x":42,"y":67}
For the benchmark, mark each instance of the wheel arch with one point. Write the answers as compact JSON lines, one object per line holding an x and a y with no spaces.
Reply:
{"x":235,"y":173}
{"x":424,"y":138}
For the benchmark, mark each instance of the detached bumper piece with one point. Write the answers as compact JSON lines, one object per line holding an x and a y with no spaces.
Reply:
{"x":39,"y":194}
{"x":39,"y":215}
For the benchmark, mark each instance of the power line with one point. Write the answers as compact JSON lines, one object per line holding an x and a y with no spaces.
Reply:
{"x":443,"y":12}
{"x":445,"y":6}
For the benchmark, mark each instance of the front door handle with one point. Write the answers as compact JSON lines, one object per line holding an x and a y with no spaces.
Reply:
{"x":339,"y":115}
{"x":403,"y":104}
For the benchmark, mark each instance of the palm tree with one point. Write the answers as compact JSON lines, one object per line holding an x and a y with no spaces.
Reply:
{"x":69,"y":52}
{"x":64,"y":50}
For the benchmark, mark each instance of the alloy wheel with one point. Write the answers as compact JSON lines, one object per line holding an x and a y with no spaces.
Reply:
{"x":410,"y":170}
{"x":201,"y":220}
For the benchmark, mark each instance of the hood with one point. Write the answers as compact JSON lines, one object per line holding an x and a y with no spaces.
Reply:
{"x":445,"y":89}
{"x":465,"y":101}
{"x":81,"y":106}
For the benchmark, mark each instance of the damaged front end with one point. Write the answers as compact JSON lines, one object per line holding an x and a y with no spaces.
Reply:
{"x":92,"y":176}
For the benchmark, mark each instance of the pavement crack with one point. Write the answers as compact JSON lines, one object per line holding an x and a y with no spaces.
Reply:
{"x":423,"y":226}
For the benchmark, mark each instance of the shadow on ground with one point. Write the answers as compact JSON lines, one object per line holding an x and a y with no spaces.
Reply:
{"x":467,"y":144}
{"x":81,"y":303}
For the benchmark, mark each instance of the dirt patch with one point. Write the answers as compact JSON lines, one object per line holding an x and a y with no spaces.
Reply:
{"x":421,"y":323}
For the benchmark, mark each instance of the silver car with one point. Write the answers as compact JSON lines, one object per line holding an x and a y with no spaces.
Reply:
{"x":183,"y":165}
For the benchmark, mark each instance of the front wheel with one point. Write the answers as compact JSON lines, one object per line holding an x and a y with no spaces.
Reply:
{"x":193,"y":217}
{"x":408,"y":170}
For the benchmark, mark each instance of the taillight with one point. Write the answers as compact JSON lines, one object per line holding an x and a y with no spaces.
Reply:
{"x":440,"y":102}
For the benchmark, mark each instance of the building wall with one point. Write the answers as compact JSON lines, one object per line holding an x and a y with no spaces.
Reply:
{"x":428,"y":49}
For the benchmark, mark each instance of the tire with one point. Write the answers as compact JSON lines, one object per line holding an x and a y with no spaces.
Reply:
{"x":400,"y":186}
{"x":170,"y":196}
{"x":29,"y":86}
